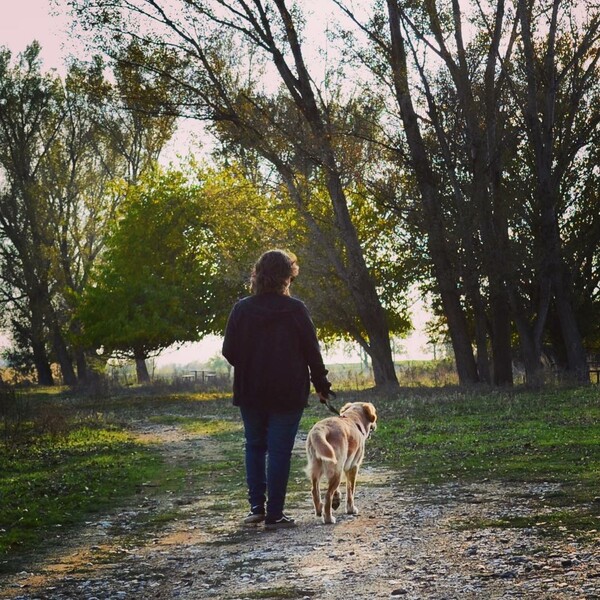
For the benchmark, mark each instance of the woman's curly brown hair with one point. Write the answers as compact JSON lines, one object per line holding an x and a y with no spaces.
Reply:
{"x":272,"y":272}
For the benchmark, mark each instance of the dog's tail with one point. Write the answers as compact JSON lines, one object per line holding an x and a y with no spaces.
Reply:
{"x":320,"y":447}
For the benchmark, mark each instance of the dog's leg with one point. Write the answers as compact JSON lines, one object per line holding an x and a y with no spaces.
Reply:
{"x":316,"y":494}
{"x":350,"y":486}
{"x":332,"y":486}
{"x":336,"y":500}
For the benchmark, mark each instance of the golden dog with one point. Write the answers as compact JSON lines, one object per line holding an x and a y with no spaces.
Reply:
{"x":334,"y":446}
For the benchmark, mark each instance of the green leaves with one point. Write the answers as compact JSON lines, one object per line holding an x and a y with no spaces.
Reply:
{"x":56,"y":483}
{"x":154,"y":286}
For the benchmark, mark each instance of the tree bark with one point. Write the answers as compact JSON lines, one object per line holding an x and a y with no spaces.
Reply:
{"x":81,"y":363}
{"x":483,"y":156}
{"x":540,"y":118}
{"x":473,"y":292}
{"x":576,"y":356}
{"x":63,"y":358}
{"x":374,"y":321}
{"x":361,"y":285}
{"x":141,"y":369}
{"x":436,"y":236}
{"x":37,"y":336}
{"x":41,"y":363}
{"x":530,"y":350}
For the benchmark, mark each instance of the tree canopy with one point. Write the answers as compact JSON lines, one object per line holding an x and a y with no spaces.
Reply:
{"x":449,"y":145}
{"x":155,"y":284}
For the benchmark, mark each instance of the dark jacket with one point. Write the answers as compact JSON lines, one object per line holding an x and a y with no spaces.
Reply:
{"x":272,"y":344}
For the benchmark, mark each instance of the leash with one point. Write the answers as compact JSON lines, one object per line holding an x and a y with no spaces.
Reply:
{"x":330,"y":406}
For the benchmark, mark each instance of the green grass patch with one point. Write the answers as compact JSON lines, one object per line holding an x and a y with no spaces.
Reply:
{"x":52,"y":483}
{"x":59,"y":472}
{"x":518,"y":436}
{"x":203,"y":426}
{"x":553,"y":524}
{"x":550,"y":436}
{"x":65,"y":459}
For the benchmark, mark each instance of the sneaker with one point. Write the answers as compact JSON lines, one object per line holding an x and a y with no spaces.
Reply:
{"x":279,"y":522}
{"x":256,"y":515}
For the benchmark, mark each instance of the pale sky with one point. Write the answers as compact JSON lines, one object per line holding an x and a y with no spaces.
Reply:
{"x":26,"y":20}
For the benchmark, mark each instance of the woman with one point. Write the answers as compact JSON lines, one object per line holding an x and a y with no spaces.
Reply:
{"x":272,"y":344}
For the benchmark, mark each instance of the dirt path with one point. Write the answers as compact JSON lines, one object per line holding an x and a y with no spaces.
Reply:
{"x":406,"y":543}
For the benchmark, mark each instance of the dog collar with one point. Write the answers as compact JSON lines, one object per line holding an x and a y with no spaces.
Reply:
{"x":360,"y":428}
{"x":359,"y":425}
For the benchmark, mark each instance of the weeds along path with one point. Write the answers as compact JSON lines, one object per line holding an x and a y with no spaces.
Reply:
{"x":408,"y":542}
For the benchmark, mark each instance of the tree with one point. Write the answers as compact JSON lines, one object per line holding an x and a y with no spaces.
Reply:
{"x":243,"y":220}
{"x":61,"y":144}
{"x":247,"y":214}
{"x":156,"y":284}
{"x":30,"y":117}
{"x":110,"y":130}
{"x":563,"y":58}
{"x":465,"y":95}
{"x":246,"y":115}
{"x":478,"y":94}
{"x":137,"y":110}
{"x":326,"y":293}
{"x":476,"y":130}
{"x":428,"y":182}
{"x":75,"y":177}
{"x":582,"y":243}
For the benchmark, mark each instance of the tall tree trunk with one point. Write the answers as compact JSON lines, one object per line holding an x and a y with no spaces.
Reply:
{"x":576,"y":356}
{"x":80,"y":357}
{"x":361,"y":285}
{"x":501,"y":334}
{"x":436,"y":235}
{"x":531,"y":352}
{"x":41,"y":363}
{"x":495,"y":259}
{"x":141,"y":369}
{"x":81,"y":363}
{"x":466,"y":366}
{"x":481,"y":146}
{"x":541,"y":134}
{"x":472,"y":280}
{"x":62,"y":355}
{"x":37,"y":337}
{"x":384,"y":371}
{"x":483,"y":359}
{"x":530,"y":335}
{"x":353,"y":272}
{"x":362,"y":289}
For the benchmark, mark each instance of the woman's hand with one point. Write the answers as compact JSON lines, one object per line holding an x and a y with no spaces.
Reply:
{"x":323,"y":397}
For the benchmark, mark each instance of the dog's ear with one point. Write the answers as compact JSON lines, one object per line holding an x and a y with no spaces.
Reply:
{"x":370,"y":412}
{"x":345,"y":407}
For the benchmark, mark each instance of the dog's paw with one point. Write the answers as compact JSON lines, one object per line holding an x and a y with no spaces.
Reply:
{"x":329,"y":521}
{"x":335,"y":501}
{"x":351,"y":510}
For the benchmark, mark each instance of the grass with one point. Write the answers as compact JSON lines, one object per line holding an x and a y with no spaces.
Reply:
{"x":72,"y":458}
{"x":51,"y":483}
{"x":65,"y":459}
{"x":549,"y":436}
{"x":212,"y":427}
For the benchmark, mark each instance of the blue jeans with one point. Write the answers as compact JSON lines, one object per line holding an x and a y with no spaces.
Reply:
{"x":269,"y":442}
